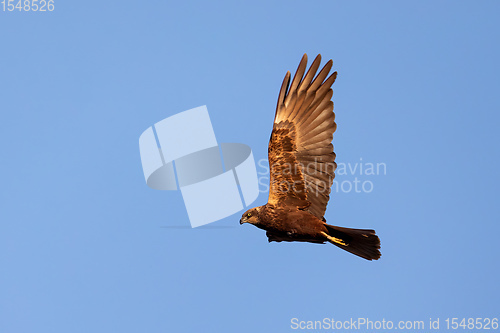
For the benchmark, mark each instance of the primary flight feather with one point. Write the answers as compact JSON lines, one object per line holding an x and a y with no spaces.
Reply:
{"x":302,"y":167}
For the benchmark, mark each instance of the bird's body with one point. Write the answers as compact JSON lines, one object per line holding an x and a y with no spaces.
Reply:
{"x":302,"y":166}
{"x":288,"y":224}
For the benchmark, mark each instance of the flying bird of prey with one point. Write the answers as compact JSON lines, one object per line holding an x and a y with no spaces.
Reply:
{"x":302,"y":167}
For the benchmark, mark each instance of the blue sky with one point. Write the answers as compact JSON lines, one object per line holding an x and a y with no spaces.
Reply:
{"x":86,"y":246}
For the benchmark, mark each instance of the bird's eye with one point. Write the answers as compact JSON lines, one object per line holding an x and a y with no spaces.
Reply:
{"x":249,"y":214}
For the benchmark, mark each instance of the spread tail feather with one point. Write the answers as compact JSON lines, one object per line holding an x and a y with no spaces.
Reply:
{"x":361,"y":242}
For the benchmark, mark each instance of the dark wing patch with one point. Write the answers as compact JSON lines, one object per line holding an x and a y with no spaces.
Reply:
{"x":287,"y":182}
{"x":282,"y":237}
{"x":303,"y":129}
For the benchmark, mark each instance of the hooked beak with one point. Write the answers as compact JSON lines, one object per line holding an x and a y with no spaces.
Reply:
{"x":243,"y":220}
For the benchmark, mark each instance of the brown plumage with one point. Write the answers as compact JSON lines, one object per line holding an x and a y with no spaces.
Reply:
{"x":302,"y":166}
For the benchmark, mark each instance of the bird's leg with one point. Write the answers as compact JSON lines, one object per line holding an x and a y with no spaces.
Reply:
{"x":334,"y":239}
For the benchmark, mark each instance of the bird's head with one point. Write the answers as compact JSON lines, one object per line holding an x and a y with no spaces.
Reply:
{"x":251,"y":216}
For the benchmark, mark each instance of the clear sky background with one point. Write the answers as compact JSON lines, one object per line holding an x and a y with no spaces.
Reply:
{"x":86,"y":246}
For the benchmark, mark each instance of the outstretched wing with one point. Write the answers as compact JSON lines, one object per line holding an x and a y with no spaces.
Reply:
{"x":301,"y":157}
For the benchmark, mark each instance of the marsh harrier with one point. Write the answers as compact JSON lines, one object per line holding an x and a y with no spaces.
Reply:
{"x":302,"y":167}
